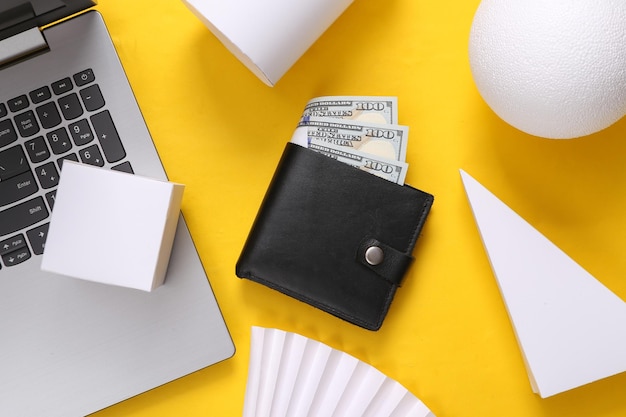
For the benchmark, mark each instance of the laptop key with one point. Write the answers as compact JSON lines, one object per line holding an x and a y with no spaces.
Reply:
{"x":12,"y":162}
{"x":124,"y":167}
{"x":59,"y":141}
{"x":81,"y":132}
{"x":27,"y":124}
{"x":17,"y":188}
{"x":48,"y":115}
{"x":22,"y":216}
{"x":16,"y":257}
{"x":18,"y":103}
{"x":62,"y":86}
{"x":48,"y":175}
{"x":84,"y":77}
{"x":37,"y":238}
{"x":92,"y":97}
{"x":51,"y":198}
{"x":92,"y":156}
{"x":7,"y":132}
{"x":12,"y":244}
{"x":70,"y":106}
{"x":37,"y":150}
{"x":108,"y":137}
{"x":40,"y":95}
{"x":68,"y":157}
{"x":3,"y":110}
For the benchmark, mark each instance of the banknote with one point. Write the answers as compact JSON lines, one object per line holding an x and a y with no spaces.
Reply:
{"x":391,"y":170}
{"x":373,"y":109}
{"x":386,"y":141}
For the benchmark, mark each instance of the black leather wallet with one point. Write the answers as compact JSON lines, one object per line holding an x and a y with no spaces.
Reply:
{"x":334,"y":236}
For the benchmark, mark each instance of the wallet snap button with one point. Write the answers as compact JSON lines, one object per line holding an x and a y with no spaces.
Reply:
{"x":374,"y":255}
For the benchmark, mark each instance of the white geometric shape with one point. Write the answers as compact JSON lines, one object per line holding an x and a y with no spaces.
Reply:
{"x":291,"y":375}
{"x":569,"y":326}
{"x":112,"y":227}
{"x":267,"y":36}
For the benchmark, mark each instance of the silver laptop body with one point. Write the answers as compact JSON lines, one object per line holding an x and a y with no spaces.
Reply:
{"x":70,"y":347}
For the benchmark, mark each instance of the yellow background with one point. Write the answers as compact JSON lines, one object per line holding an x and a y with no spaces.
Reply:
{"x":447,"y":337}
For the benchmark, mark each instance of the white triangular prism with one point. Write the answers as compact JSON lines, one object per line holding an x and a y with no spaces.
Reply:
{"x":570,"y":327}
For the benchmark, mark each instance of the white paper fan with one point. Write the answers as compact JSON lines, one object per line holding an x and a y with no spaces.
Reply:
{"x":290,"y":375}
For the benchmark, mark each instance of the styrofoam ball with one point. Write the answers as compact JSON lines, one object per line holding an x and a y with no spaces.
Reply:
{"x":551,"y":68}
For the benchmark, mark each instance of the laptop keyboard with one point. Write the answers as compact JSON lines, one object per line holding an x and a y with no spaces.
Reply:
{"x":38,"y":131}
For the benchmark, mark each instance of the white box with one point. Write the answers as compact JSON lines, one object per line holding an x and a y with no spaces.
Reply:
{"x":268,"y":36}
{"x":112,"y":227}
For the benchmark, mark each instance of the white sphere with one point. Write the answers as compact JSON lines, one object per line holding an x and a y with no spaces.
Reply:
{"x":551,"y":68}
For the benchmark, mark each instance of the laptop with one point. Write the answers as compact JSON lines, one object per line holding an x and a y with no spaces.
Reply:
{"x":69,"y":347}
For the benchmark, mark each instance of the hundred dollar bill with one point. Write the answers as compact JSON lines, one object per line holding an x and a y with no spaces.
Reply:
{"x":373,"y":109}
{"x":386,"y":141}
{"x":394,"y":171}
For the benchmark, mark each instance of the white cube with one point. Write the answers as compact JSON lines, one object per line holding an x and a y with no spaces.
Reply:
{"x":268,"y":36}
{"x":112,"y":227}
